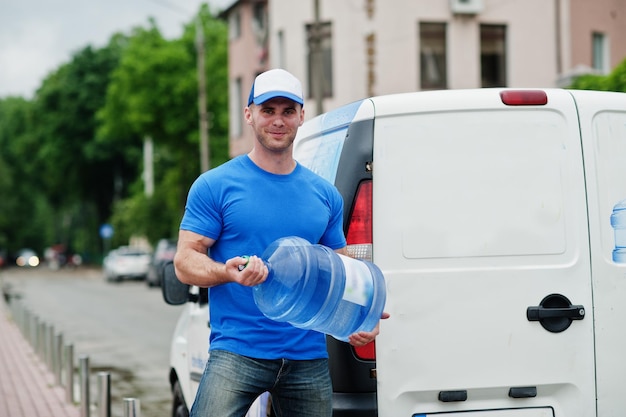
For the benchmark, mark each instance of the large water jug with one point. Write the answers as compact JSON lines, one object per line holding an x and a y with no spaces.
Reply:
{"x":618,"y":222}
{"x":312,"y":287}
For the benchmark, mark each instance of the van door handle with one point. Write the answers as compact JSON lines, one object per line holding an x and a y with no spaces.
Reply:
{"x":555,"y":313}
{"x":539,"y":313}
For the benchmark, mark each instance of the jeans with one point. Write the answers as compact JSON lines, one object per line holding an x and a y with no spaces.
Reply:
{"x":231,"y":383}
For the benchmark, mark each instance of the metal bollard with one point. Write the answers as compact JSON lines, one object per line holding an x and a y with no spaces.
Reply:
{"x":33,"y":332}
{"x":50,"y":348}
{"x":84,"y":386}
{"x":43,"y":340}
{"x":104,"y":394}
{"x":132,"y":407}
{"x":16,"y":313}
{"x":38,"y":336}
{"x":46,"y":345}
{"x":26,"y":320}
{"x":43,"y":343}
{"x":23,"y":314}
{"x":20,"y":312}
{"x":58,"y":358}
{"x":69,"y":373}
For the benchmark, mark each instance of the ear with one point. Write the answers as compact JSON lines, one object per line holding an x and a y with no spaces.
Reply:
{"x":301,"y":116}
{"x":247,"y":113}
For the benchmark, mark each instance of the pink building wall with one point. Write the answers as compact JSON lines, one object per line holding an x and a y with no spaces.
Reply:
{"x":246,"y":59}
{"x":604,"y":16}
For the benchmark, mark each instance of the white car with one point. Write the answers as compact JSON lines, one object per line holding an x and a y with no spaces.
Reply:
{"x":27,"y":257}
{"x":126,"y":263}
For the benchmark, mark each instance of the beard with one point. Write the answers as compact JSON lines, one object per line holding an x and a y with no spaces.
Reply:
{"x":275,"y":145}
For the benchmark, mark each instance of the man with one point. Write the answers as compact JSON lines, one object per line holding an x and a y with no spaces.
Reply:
{"x":237,"y":209}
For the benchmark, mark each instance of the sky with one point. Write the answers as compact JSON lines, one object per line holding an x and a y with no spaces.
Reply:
{"x":37,"y":36}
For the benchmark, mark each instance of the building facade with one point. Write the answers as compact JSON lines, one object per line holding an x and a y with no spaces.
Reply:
{"x":351,"y":49}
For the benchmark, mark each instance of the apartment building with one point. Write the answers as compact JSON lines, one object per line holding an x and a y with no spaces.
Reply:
{"x":350,"y":49}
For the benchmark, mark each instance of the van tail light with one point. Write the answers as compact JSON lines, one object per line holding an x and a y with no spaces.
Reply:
{"x":524,"y":97}
{"x":367,"y":352}
{"x":359,"y":235}
{"x":359,"y":238}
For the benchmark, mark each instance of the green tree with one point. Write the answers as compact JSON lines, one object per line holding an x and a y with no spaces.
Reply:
{"x":615,"y":81}
{"x":76,"y":175}
{"x":71,"y":158}
{"x":153,"y":94}
{"x":22,"y":203}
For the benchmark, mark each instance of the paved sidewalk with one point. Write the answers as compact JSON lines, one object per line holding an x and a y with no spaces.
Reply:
{"x":27,"y":387}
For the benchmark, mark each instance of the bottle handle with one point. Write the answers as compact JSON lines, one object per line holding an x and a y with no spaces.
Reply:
{"x":243,"y":266}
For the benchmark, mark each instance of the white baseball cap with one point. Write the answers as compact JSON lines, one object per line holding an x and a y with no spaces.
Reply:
{"x":275,"y":83}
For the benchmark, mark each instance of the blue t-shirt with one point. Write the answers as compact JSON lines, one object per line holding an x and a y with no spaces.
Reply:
{"x":244,"y":209}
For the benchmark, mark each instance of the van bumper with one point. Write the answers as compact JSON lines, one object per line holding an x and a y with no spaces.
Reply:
{"x":351,"y":404}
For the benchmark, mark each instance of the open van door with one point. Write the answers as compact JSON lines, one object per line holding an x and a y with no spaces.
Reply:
{"x":480,"y":227}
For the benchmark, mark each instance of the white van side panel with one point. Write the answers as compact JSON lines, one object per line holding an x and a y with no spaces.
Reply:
{"x":480,"y":213}
{"x":603,"y":125}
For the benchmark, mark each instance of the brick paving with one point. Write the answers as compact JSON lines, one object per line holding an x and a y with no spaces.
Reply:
{"x":27,"y":387}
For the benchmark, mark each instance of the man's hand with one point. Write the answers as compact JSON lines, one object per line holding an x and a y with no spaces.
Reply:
{"x":247,"y":271}
{"x":363,"y":338}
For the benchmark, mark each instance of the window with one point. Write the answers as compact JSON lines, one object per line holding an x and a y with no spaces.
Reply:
{"x":433,"y":63}
{"x":319,"y":58}
{"x":281,"y":49}
{"x":493,"y":55}
{"x":600,"y":52}
{"x":234,"y":25}
{"x":259,"y":20}
{"x":260,"y":29}
{"x":370,"y":53}
{"x":236,"y":109}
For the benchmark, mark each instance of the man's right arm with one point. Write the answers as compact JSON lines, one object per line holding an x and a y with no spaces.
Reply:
{"x":194,"y":267}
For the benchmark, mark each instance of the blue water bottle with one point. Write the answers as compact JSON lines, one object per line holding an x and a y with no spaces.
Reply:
{"x":618,"y":222}
{"x":312,"y":287}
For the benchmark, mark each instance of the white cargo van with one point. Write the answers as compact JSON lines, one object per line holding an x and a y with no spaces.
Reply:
{"x":488,"y":212}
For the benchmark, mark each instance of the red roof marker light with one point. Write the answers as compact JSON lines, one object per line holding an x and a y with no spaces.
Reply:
{"x":524,"y":97}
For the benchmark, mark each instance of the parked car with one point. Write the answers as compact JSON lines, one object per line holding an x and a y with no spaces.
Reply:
{"x":164,"y":252}
{"x":126,"y":263}
{"x":27,"y":258}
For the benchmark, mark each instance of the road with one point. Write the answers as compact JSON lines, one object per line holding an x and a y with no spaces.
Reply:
{"x":124,"y":328}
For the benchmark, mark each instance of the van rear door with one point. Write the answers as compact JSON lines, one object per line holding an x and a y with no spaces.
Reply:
{"x":480,"y":227}
{"x":603,"y":127}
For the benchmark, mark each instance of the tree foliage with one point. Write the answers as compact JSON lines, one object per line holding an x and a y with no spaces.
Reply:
{"x":154,"y":94}
{"x":22,"y":203}
{"x":72,"y":158}
{"x":615,"y":81}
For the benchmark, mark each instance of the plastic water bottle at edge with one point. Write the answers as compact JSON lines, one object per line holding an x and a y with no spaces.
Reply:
{"x":618,"y":222}
{"x":312,"y":287}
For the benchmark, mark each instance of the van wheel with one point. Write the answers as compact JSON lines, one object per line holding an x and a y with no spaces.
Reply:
{"x":179,"y":408}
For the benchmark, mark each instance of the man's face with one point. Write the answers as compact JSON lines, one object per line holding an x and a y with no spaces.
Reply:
{"x":275,"y":123}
